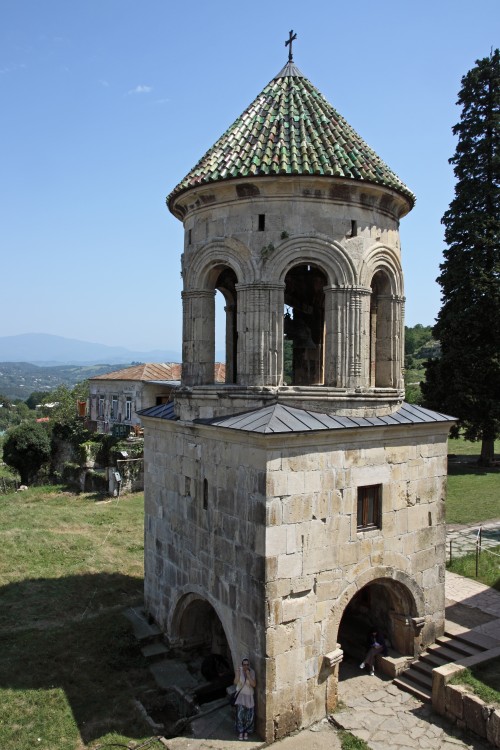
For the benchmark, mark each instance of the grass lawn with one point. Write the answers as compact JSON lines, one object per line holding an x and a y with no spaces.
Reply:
{"x":69,"y":664}
{"x":473,"y":491}
{"x":483,"y":680}
{"x":489,"y":567}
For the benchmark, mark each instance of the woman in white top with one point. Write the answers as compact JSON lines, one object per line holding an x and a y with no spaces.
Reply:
{"x":244,"y":679}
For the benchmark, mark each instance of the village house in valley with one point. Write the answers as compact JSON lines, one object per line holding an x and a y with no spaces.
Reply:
{"x":283,"y":519}
{"x":116,"y":397}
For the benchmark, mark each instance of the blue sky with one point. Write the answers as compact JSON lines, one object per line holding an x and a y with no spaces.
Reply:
{"x":107,"y":104}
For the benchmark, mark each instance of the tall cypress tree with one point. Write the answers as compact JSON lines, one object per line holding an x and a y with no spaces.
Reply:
{"x":465,"y":382}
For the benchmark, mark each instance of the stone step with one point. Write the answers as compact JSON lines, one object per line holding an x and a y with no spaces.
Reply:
{"x":439,"y":655}
{"x":461,"y":647}
{"x":479,"y":640}
{"x":420,"y":677}
{"x":409,"y":686}
{"x":423,"y":667}
{"x":154,"y":650}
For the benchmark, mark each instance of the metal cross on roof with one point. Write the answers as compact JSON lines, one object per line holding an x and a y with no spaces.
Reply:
{"x":291,"y":37}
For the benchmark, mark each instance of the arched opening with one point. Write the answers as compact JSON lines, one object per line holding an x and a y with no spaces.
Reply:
{"x":200,"y":640}
{"x":383,"y":604}
{"x":381,"y":344}
{"x":304,"y":325}
{"x":225,"y":287}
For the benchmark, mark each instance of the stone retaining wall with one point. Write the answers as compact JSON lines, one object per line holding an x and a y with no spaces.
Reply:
{"x":460,"y":706}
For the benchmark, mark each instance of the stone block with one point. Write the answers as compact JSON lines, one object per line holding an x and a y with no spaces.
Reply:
{"x":274,"y":512}
{"x":290,"y":669}
{"x":493,"y":728}
{"x":290,"y":566}
{"x":276,"y":541}
{"x":282,"y":638}
{"x":301,"y":584}
{"x":297,"y":508}
{"x":474,"y":714}
{"x":297,"y":607}
{"x":453,"y":700}
{"x":276,"y":484}
{"x":296,"y":483}
{"x":319,"y":559}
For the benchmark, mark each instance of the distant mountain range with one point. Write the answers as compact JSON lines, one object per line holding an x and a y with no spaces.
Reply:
{"x":46,"y":350}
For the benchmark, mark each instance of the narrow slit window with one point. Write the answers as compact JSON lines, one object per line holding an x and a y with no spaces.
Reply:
{"x":205,"y":494}
{"x":354,"y":228}
{"x":262,"y":222}
{"x":189,"y":236}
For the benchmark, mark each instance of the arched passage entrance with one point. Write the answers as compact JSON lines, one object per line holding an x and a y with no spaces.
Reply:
{"x":200,"y":640}
{"x":385,"y":604}
{"x":196,"y":626}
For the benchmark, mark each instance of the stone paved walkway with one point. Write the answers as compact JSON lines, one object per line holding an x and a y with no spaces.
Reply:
{"x":379,"y":713}
{"x":463,"y":539}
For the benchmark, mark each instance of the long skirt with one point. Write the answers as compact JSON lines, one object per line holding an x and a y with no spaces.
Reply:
{"x":244,"y":719}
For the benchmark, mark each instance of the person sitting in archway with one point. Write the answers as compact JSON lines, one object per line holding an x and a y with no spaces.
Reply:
{"x":376,"y":645}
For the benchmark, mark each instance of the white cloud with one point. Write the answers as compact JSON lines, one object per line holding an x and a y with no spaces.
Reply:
{"x":104,"y":83}
{"x":141,"y":90}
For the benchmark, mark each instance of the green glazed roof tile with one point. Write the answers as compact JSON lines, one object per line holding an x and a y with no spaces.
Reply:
{"x":290,"y":128}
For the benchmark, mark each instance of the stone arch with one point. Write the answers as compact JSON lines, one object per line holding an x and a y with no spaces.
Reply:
{"x":196,"y":623}
{"x":392,"y":586}
{"x":218,"y":266}
{"x":230,"y":253}
{"x":382,"y":258}
{"x":381,"y":272}
{"x":330,"y":256}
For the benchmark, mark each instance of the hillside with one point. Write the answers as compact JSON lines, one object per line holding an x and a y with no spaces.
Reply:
{"x":19,"y":379}
{"x":48,"y":350}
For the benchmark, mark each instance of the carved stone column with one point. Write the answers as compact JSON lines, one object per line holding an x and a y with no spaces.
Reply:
{"x":198,"y":337}
{"x":358,"y":332}
{"x":260,"y":334}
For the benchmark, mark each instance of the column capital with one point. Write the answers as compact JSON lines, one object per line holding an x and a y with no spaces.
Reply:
{"x":198,"y":294}
{"x":260,"y":285}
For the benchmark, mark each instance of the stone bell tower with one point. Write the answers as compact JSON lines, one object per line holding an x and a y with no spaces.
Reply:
{"x":303,"y":496}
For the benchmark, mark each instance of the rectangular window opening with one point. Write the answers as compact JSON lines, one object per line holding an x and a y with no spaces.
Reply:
{"x":354,"y":228}
{"x":128,"y":409}
{"x":189,"y":236}
{"x":369,"y":507}
{"x":262,"y":222}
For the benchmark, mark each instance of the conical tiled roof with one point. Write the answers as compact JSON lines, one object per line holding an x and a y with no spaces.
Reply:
{"x":290,"y":128}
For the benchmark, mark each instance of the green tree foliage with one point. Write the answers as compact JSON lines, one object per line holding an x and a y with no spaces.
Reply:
{"x":27,"y":449}
{"x":35,"y":398}
{"x":416,"y":337}
{"x":13,"y":413}
{"x":465,"y":381}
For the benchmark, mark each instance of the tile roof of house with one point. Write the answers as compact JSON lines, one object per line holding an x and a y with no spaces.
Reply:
{"x":279,"y":418}
{"x":145,"y":372}
{"x":157,"y":372}
{"x":291,"y":129}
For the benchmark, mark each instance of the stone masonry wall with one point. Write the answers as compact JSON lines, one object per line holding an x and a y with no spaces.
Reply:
{"x":215,"y":551}
{"x":316,"y":560}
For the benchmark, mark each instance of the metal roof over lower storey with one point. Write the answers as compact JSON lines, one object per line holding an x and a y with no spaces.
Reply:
{"x":278,"y":418}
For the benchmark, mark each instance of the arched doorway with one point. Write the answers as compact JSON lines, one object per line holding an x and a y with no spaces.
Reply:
{"x":200,"y":640}
{"x":304,"y":325}
{"x":385,"y":604}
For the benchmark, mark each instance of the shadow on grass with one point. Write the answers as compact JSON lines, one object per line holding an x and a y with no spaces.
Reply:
{"x":71,"y":634}
{"x":467,"y":464}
